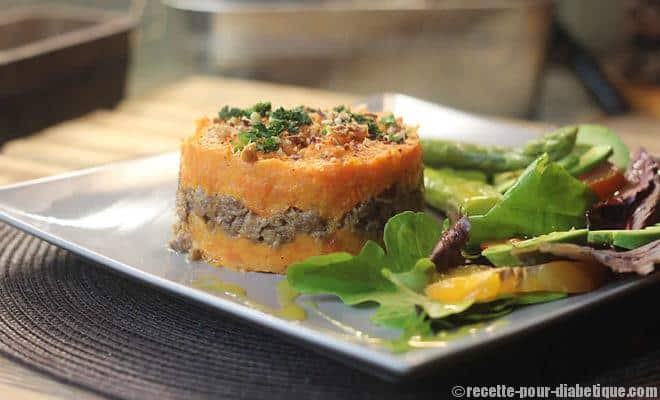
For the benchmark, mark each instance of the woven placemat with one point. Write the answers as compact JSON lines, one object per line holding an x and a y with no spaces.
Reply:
{"x":83,"y":324}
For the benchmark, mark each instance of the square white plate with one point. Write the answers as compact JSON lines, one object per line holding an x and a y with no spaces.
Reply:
{"x":120,"y":216}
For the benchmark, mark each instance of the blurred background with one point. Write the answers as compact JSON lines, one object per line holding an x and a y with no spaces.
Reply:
{"x":558,"y":61}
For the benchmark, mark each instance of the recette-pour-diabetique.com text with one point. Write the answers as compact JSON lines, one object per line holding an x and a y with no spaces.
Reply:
{"x":562,"y":391}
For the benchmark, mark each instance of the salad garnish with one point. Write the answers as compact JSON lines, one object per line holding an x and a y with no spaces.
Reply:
{"x":634,"y":204}
{"x":556,"y":217}
{"x":544,"y":199}
{"x":447,"y":253}
{"x":640,"y":260}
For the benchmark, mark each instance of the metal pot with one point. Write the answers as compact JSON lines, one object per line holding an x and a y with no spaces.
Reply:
{"x":483,"y":56}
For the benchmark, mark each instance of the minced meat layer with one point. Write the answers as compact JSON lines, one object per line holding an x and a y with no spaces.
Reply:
{"x":231,"y":215}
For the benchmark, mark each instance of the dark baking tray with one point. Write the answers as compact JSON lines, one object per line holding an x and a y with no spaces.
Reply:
{"x":57,"y":63}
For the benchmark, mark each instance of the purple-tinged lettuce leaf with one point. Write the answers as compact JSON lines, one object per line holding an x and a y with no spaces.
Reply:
{"x":641,"y":260}
{"x":636,"y":204}
{"x":447,"y":252}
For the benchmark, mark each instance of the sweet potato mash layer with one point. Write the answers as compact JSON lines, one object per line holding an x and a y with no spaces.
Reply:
{"x":218,"y":248}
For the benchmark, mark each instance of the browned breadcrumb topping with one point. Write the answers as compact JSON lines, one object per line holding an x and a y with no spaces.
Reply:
{"x":259,"y":132}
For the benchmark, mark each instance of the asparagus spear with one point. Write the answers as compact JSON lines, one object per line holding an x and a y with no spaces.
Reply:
{"x":493,"y":159}
{"x":450,"y":191}
{"x":504,"y":180}
{"x":469,"y":174}
{"x":557,"y":144}
{"x":439,"y":153}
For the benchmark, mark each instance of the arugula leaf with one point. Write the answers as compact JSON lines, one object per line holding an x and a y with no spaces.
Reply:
{"x":408,"y":237}
{"x":352,"y":278}
{"x":397,"y":308}
{"x":434,"y":309}
{"x":418,"y":277}
{"x":394,"y":280}
{"x":545,"y":199}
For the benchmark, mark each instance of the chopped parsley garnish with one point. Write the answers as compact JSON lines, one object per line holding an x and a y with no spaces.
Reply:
{"x":374,"y":130}
{"x":226,"y":112}
{"x":277,"y":126}
{"x":258,"y":130}
{"x":388,"y":120}
{"x":266,"y":137}
{"x":289,"y":120}
{"x":269,"y":144}
{"x":243,"y":140}
{"x":262,"y":109}
{"x":265,"y":129}
{"x":359,"y":118}
{"x":296,"y":114}
{"x":395,"y":138}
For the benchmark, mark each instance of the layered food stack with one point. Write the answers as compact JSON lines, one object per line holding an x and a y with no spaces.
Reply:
{"x":262,"y":188}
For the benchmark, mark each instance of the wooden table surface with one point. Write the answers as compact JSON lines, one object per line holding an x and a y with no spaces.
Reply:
{"x":149,"y":125}
{"x":155,"y":124}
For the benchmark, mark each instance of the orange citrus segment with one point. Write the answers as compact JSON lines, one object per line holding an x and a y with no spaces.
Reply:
{"x":477,"y":286}
{"x":485,"y":284}
{"x":564,"y":276}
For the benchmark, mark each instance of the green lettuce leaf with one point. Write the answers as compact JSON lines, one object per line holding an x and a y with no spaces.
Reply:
{"x":433,"y":309}
{"x":545,"y":199}
{"x":354,"y":279}
{"x":394,"y":280}
{"x":408,"y":237}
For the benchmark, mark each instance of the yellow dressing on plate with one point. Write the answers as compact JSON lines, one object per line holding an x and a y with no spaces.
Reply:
{"x":288,"y":310}
{"x":440,"y":339}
